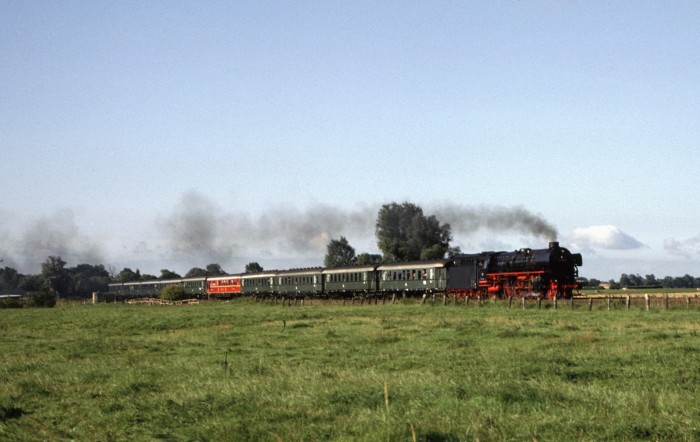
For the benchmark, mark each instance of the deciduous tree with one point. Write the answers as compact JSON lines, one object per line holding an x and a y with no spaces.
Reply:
{"x":339,"y":253}
{"x":253,"y":267}
{"x":404,"y":233}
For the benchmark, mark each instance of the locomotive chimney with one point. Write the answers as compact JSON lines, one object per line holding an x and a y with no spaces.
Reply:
{"x":553,"y":245}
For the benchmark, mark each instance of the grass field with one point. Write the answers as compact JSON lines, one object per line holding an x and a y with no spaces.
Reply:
{"x":250,"y":371}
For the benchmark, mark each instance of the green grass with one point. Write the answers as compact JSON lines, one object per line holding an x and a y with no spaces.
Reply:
{"x":248,"y":371}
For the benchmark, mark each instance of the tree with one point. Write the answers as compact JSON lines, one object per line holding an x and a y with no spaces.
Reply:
{"x":651,"y":280}
{"x":88,"y":279}
{"x":128,"y":275}
{"x":339,"y":253}
{"x":215,"y":270}
{"x":196,"y":272}
{"x":454,"y":251}
{"x":31,"y":283}
{"x":168,"y":274}
{"x":404,"y":233}
{"x":45,"y":297}
{"x":367,"y":258}
{"x":173,"y":293}
{"x":253,"y":267}
{"x":9,"y":280}
{"x":56,"y":276}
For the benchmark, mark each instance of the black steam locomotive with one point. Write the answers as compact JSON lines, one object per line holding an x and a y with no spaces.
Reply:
{"x":540,"y":273}
{"x":537,"y":273}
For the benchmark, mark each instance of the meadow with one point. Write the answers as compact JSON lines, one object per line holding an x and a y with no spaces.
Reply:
{"x":409,"y":371}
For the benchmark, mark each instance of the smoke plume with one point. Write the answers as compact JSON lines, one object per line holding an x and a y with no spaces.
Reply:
{"x":467,"y":220}
{"x":57,"y":235}
{"x":198,"y":226}
{"x":201,"y":228}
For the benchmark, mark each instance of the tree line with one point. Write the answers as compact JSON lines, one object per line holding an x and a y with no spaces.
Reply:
{"x":649,"y":281}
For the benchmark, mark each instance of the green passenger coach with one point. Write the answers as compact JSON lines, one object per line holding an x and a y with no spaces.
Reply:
{"x":344,"y":281}
{"x":413,"y":278}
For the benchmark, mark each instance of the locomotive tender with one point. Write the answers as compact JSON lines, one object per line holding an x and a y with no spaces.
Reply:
{"x":537,"y":273}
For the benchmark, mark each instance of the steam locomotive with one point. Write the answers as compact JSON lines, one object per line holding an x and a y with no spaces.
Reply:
{"x":536,"y":273}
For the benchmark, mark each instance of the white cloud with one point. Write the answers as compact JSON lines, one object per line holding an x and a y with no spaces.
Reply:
{"x":684,"y":249}
{"x":603,"y":237}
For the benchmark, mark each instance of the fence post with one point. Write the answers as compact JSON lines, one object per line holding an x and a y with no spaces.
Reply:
{"x":665,"y":301}
{"x":590,"y":303}
{"x":687,"y":302}
{"x":627,"y":302}
{"x":646,"y":301}
{"x":523,"y":299}
{"x":510,"y":301}
{"x":556,"y":301}
{"x":609,"y":299}
{"x":572,"y":302}
{"x":539,"y":303}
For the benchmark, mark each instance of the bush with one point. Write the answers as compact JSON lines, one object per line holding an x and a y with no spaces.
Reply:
{"x":173,"y":293}
{"x":45,"y":297}
{"x":10,"y":302}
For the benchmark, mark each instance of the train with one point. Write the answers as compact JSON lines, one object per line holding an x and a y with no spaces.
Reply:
{"x":524,"y":273}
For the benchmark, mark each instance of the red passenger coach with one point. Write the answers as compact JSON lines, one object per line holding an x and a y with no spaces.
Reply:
{"x":223,"y":285}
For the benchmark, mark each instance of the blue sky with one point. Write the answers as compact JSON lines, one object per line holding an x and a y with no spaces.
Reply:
{"x":175,"y":134}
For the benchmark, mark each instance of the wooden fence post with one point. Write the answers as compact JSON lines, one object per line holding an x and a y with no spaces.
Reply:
{"x":556,"y":301}
{"x":590,"y":303}
{"x":510,"y":301}
{"x":687,"y":302}
{"x":539,"y":303}
{"x":523,"y":300}
{"x":609,"y":299}
{"x":572,"y":302}
{"x":665,"y":301}
{"x":627,"y":302}
{"x":646,"y":301}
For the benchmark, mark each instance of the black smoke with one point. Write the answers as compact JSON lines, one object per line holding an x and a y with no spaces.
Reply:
{"x":199,"y":227}
{"x":467,"y":220}
{"x":56,"y":234}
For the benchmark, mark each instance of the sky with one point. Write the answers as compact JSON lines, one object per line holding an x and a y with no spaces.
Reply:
{"x":174,"y":134}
